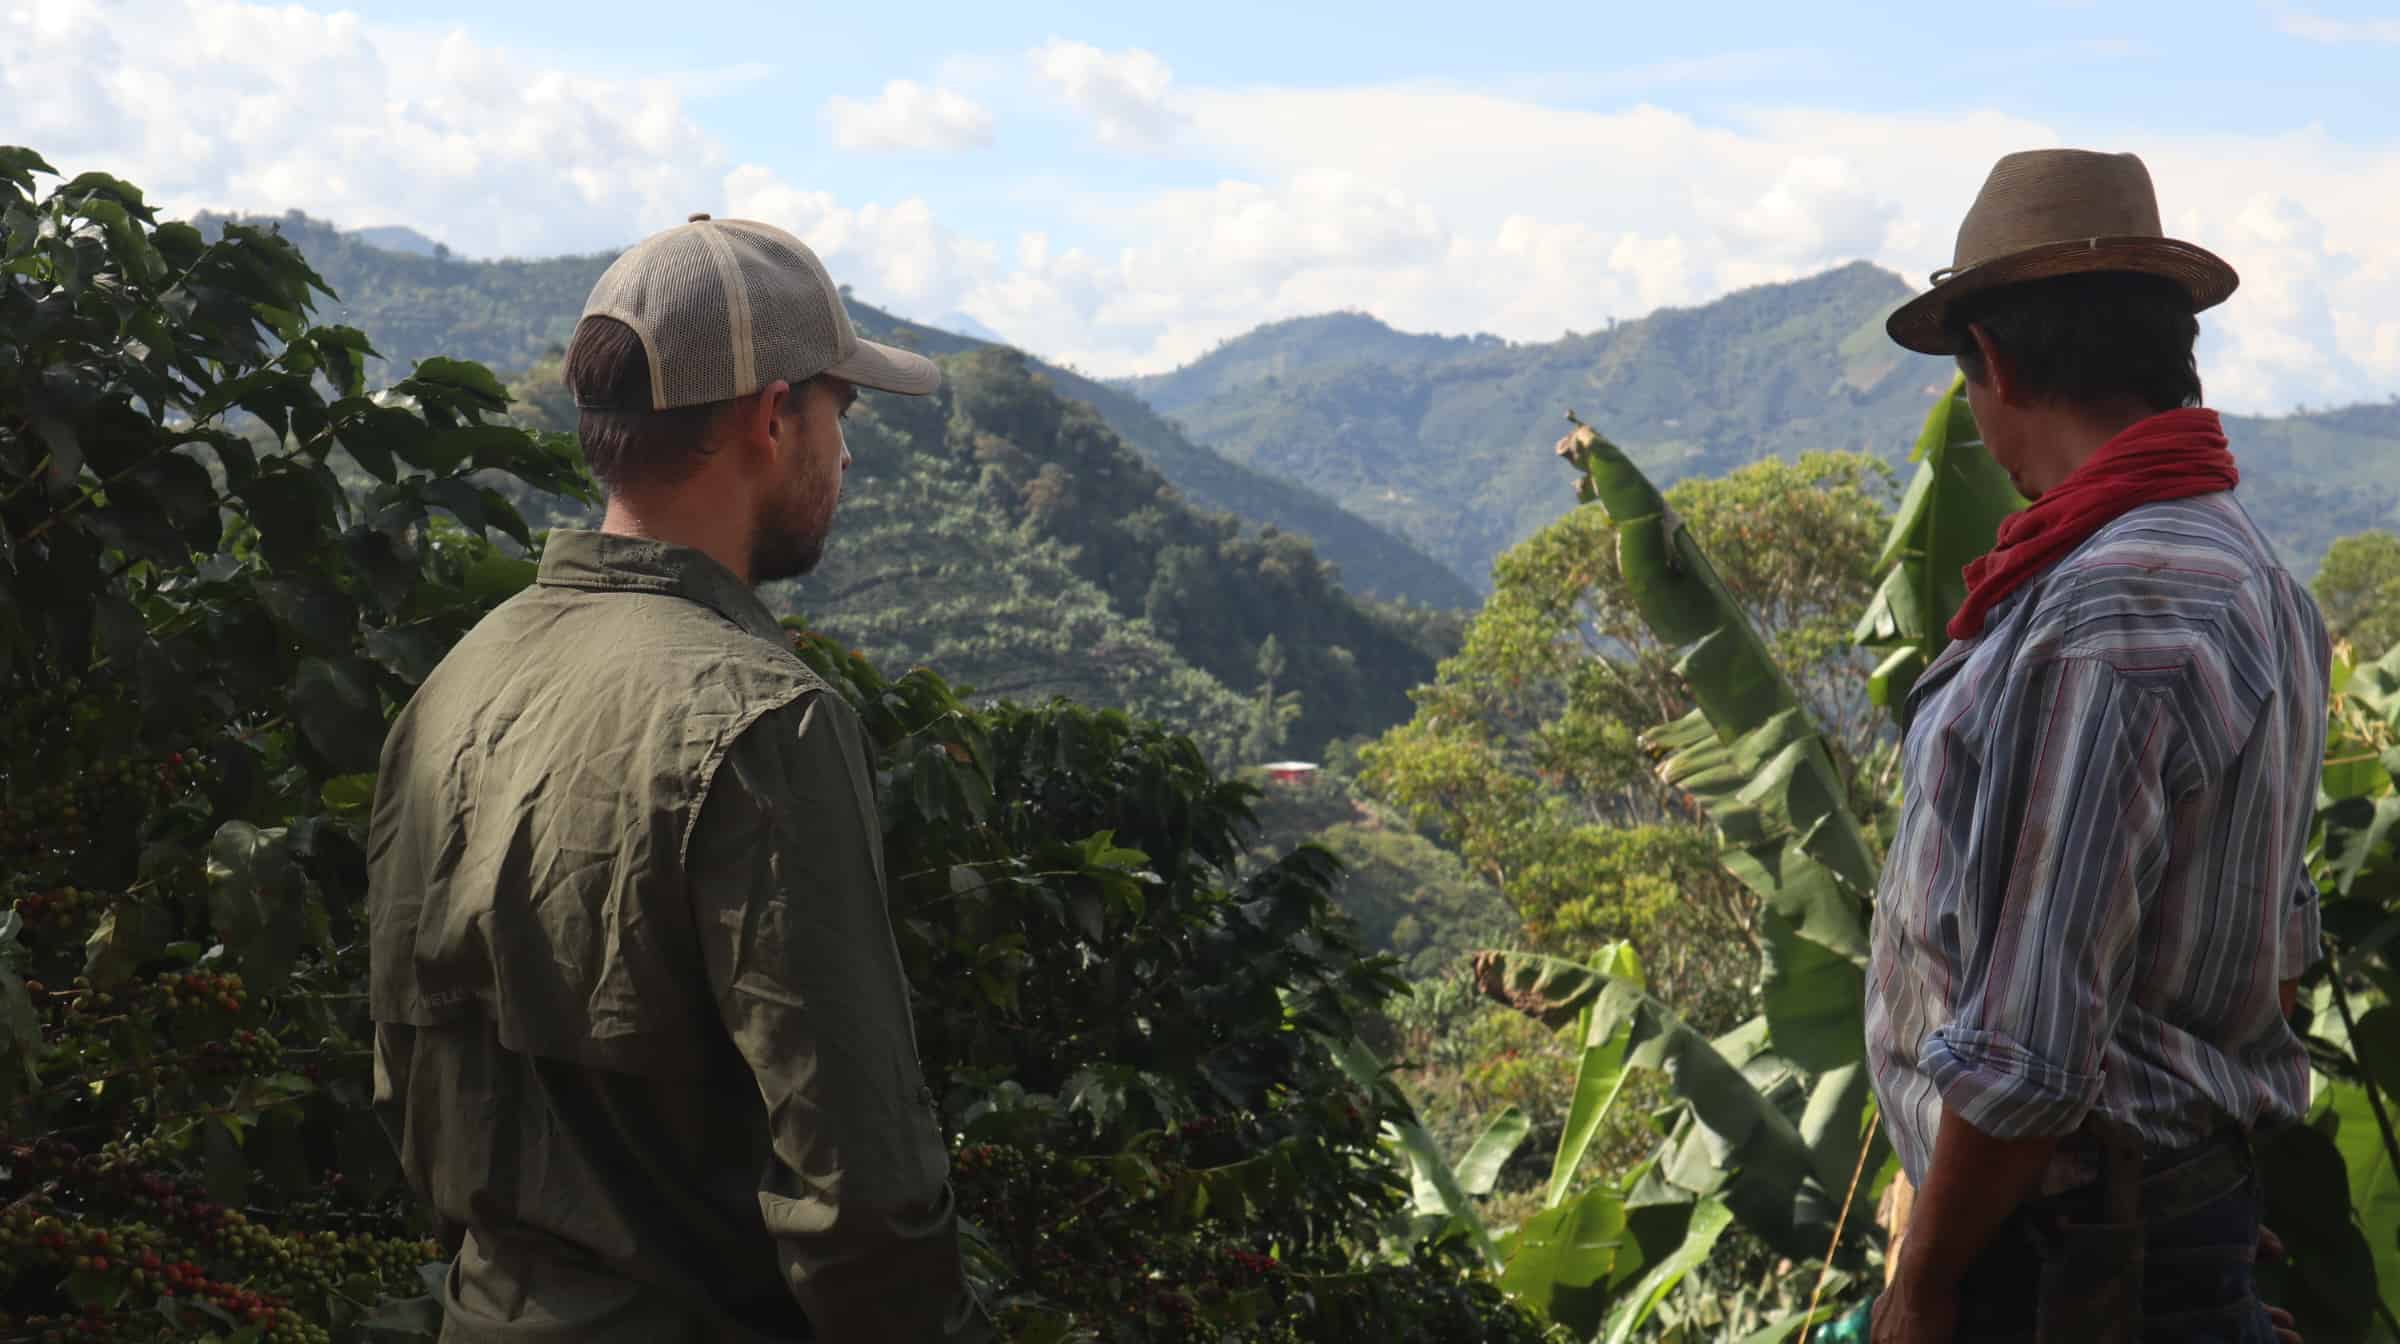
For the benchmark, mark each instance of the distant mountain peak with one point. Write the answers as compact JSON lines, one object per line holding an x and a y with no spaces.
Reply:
{"x":309,"y":231}
{"x":399,"y":238}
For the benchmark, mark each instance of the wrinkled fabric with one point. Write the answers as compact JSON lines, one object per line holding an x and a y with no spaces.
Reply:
{"x":2100,"y":871}
{"x":643,"y":1038}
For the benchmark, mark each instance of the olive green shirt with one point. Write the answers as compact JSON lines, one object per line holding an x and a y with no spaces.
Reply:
{"x":643,"y":1039}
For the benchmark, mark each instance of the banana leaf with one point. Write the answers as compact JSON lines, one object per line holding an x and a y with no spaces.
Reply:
{"x":2330,"y":1279}
{"x":1599,"y":1075}
{"x":1737,"y":1144}
{"x":1761,"y":768}
{"x":1566,"y":1262}
{"x":1598,"y":1079}
{"x":1500,"y":1139}
{"x":1950,"y":515}
{"x":2374,"y":1185}
{"x":1439,"y":1197}
{"x":1709,"y":1222}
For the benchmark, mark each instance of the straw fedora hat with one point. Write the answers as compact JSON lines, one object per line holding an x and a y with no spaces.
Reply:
{"x":2052,"y":212}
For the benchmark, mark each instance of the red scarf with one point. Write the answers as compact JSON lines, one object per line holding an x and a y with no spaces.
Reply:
{"x":2174,"y":455}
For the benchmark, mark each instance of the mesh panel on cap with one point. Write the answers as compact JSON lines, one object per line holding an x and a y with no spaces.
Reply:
{"x":672,"y":293}
{"x":798,"y":328}
{"x":694,"y":322}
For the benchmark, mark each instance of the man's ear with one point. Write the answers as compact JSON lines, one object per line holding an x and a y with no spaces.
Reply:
{"x":761,"y":415}
{"x":1999,"y":372}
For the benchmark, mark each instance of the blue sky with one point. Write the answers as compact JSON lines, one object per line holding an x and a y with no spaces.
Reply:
{"x":1121,"y":186}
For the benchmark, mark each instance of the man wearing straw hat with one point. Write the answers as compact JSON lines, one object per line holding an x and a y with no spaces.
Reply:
{"x":2096,"y":902}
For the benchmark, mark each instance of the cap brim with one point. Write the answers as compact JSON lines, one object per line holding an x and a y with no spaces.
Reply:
{"x":1920,"y":323}
{"x":886,"y":369}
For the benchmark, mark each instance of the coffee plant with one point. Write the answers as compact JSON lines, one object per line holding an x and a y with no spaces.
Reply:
{"x":1149,"y":1058}
{"x":224,"y":563}
{"x":203,"y":627}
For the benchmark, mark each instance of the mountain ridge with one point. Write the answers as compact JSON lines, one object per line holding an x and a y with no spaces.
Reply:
{"x":1411,"y":460}
{"x":512,"y":313}
{"x":1444,"y":439}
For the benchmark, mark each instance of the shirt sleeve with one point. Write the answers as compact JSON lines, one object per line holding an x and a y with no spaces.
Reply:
{"x":2069,"y":836}
{"x":787,"y":887}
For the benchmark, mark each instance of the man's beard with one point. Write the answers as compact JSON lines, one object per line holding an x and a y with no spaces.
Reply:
{"x":783,"y":551}
{"x":790,"y":540}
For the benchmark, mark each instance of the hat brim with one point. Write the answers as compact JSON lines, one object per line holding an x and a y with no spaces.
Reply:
{"x":887,"y":369}
{"x":1919,"y":323}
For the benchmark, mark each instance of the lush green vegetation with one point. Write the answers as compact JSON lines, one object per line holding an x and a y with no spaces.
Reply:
{"x":1770,"y":1115}
{"x":1007,"y":538}
{"x":198,"y":643}
{"x":2358,"y":589}
{"x":1144,"y":1036}
{"x":1431,"y":436}
{"x":1526,"y":752}
{"x":1617,"y":834}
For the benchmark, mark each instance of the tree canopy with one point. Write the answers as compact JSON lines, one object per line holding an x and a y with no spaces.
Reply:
{"x":1526,"y":750}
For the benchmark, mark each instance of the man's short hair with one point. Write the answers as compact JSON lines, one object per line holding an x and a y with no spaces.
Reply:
{"x":624,"y":441}
{"x":2091,"y":339}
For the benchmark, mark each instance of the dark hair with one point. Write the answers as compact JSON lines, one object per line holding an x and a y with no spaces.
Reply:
{"x":629,"y":444}
{"x":2087,"y":340}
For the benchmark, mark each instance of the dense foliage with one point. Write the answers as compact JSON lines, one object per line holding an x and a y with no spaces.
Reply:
{"x":1526,"y":751}
{"x":2358,"y":590}
{"x":1410,"y":897}
{"x":1007,"y":538}
{"x":1142,"y":1051}
{"x":1142,"y":1036}
{"x":199,"y":644}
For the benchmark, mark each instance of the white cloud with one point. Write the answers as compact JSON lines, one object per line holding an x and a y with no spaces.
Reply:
{"x":1457,"y":211}
{"x":2325,"y":28}
{"x":909,"y":116}
{"x":1445,"y":209}
{"x":1126,"y":95}
{"x":893,"y":254}
{"x":224,"y":105}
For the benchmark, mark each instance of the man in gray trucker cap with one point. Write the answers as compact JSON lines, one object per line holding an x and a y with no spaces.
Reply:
{"x":643,"y":1038}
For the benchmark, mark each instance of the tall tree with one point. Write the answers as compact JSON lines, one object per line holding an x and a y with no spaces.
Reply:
{"x":2359,"y":590}
{"x":1526,"y":751}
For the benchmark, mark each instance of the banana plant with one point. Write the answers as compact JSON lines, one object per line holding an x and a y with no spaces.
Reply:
{"x":1773,"y":1127}
{"x":1442,"y":1196}
{"x":1775,"y":1146}
{"x":1951,"y":514}
{"x":2333,"y":1184}
{"x":1600,"y":1261}
{"x":1755,"y":760}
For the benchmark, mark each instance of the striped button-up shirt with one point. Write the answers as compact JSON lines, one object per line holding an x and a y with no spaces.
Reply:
{"x":2099,"y":876}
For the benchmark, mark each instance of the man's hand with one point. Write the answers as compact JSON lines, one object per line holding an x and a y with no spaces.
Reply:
{"x":2270,"y":1250}
{"x":1912,"y":1311}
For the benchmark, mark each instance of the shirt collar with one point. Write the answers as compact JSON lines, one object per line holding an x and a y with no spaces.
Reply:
{"x":608,"y":562}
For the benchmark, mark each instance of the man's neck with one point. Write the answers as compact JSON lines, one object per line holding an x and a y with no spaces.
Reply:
{"x":2069,"y":435}
{"x":678,"y":522}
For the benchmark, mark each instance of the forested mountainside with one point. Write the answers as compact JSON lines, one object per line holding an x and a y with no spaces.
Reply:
{"x":1446,"y":439}
{"x":1009,"y":538}
{"x":510,"y":315}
